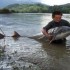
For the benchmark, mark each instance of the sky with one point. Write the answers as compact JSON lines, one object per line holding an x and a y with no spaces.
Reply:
{"x":55,"y":2}
{"x":47,"y":2}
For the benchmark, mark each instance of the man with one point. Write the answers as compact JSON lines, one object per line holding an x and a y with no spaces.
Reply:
{"x":56,"y":22}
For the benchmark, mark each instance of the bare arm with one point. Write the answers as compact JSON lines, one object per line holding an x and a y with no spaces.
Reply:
{"x":46,"y":34}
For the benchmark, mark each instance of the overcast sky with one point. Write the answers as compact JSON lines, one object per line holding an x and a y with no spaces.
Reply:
{"x":55,"y":2}
{"x":48,"y":2}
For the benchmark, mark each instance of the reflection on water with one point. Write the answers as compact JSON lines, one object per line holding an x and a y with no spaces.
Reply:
{"x":29,"y":52}
{"x":59,"y":55}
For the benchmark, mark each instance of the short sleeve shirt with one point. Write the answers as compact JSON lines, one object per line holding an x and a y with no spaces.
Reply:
{"x":54,"y":24}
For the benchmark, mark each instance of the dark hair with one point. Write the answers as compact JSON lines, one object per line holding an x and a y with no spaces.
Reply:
{"x":56,"y":13}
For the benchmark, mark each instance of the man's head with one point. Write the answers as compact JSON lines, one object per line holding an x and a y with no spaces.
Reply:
{"x":56,"y":15}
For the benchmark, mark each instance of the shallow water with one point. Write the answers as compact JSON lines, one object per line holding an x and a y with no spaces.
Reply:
{"x":26,"y":53}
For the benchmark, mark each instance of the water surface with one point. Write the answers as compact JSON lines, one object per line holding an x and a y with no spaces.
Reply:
{"x":27,"y":53}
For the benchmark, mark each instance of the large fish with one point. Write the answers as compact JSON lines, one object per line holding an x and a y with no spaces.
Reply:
{"x":59,"y":32}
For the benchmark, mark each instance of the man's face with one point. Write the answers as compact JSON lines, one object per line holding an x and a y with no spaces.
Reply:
{"x":57,"y":18}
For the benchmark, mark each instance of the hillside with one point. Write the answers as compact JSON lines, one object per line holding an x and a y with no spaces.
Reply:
{"x":38,"y":8}
{"x":28,"y":8}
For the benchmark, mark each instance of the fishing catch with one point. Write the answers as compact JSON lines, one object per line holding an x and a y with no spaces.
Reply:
{"x":59,"y":33}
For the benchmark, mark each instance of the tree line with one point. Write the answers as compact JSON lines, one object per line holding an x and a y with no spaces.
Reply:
{"x":35,"y":8}
{"x":4,"y":10}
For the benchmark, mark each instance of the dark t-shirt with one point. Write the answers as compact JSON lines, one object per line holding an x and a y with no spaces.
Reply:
{"x":54,"y":24}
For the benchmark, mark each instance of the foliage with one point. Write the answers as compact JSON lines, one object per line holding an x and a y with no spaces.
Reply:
{"x":3,"y":11}
{"x":29,"y":8}
{"x":38,"y":8}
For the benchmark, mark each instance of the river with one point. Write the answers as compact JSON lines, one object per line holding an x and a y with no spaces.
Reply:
{"x":26,"y":53}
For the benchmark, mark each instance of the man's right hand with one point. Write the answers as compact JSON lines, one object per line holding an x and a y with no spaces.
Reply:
{"x":48,"y":35}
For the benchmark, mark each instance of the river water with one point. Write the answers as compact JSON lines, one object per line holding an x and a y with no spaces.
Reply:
{"x":26,"y":53}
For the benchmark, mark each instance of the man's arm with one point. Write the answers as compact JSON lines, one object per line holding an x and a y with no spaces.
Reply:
{"x":46,"y":34}
{"x":66,"y":23}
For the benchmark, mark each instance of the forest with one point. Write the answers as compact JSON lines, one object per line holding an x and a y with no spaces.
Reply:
{"x":35,"y":8}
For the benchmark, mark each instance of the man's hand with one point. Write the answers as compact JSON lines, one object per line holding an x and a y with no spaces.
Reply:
{"x":49,"y":36}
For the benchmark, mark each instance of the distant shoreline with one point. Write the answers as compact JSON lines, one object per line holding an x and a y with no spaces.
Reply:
{"x":35,"y":8}
{"x":38,"y":8}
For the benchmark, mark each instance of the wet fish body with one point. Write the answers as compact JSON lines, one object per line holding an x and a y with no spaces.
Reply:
{"x":60,"y":33}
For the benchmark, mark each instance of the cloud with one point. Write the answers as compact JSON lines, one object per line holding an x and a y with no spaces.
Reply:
{"x":55,"y":2}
